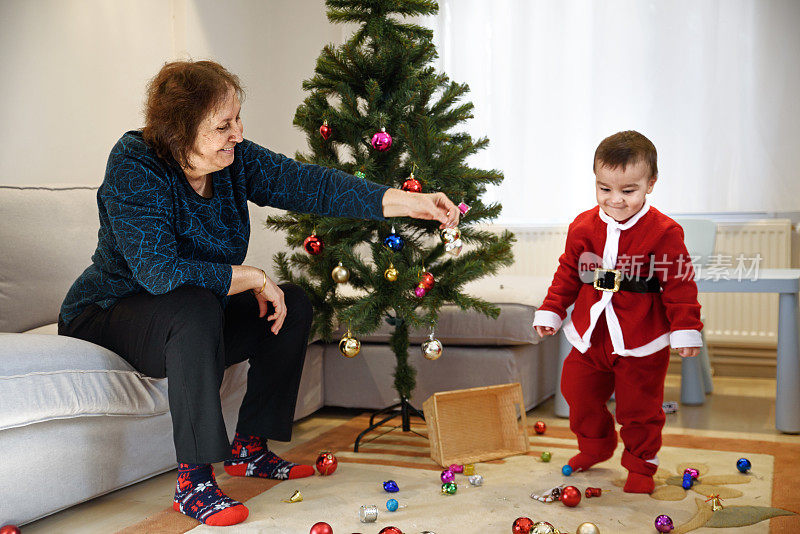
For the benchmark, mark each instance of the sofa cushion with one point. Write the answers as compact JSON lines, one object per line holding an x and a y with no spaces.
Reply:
{"x":517,"y":297}
{"x":47,"y":377}
{"x":48,"y":236}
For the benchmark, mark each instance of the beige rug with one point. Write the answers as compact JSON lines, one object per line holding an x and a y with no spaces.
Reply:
{"x":505,"y":494}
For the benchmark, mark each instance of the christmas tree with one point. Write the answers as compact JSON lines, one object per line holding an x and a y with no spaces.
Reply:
{"x":383,"y":78}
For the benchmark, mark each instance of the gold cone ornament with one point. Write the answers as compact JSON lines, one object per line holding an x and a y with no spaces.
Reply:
{"x":340,"y":274}
{"x":349,"y":346}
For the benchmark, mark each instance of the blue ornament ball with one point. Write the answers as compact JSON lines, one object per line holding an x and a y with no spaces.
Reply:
{"x":392,"y":505}
{"x":391,"y":486}
{"x":743,"y":465}
{"x":566,"y":470}
{"x":394,"y":242}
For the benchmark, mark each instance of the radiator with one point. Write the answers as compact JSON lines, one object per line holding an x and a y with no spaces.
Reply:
{"x":730,"y":319}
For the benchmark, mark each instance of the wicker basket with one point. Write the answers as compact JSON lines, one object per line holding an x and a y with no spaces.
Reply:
{"x":476,"y":424}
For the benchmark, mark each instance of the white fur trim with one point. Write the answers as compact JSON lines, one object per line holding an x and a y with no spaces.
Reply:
{"x":685,"y":338}
{"x":653,"y":461}
{"x":547,"y":318}
{"x":574,"y":338}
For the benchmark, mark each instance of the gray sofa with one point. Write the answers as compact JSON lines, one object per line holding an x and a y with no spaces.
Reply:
{"x":72,"y":410}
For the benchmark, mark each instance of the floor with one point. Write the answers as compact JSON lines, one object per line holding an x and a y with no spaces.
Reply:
{"x":738,"y":407}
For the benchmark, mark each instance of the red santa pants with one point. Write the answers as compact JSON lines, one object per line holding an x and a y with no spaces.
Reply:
{"x":587,"y":382}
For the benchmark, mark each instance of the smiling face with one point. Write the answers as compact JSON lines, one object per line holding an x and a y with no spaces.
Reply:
{"x":621,"y":193}
{"x":217,"y":134}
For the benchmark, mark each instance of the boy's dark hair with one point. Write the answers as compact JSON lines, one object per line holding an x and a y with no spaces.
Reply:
{"x":624,"y":148}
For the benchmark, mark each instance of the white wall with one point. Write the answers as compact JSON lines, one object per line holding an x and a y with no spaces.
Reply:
{"x":74,"y":73}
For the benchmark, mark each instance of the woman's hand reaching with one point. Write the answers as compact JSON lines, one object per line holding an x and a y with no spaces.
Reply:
{"x":428,"y":206}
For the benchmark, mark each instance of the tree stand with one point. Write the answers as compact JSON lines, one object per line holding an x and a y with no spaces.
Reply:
{"x":402,"y":409}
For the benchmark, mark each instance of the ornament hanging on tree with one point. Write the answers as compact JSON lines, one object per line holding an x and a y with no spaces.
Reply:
{"x":412,"y":185}
{"x":432,"y":348}
{"x":359,"y":174}
{"x":325,"y":130}
{"x":390,"y":274}
{"x":326,"y":463}
{"x":452,"y":241}
{"x":340,"y":274}
{"x":427,"y":281}
{"x":349,"y":346}
{"x":313,"y":244}
{"x":420,"y":291}
{"x":394,"y":242}
{"x":381,"y":141}
{"x":463,"y":208}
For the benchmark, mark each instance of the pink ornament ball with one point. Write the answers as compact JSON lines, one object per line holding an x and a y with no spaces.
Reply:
{"x":420,"y":291}
{"x":381,"y":141}
{"x":448,"y":476}
{"x":456,"y":468}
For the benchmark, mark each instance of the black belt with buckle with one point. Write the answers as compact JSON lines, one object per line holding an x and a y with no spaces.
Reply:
{"x":614,"y":280}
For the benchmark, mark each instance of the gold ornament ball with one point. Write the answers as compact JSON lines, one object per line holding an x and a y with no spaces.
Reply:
{"x":432,"y":349}
{"x":542,"y":527}
{"x":390,"y":274}
{"x":349,"y":346}
{"x":340,"y":274}
{"x":587,"y":528}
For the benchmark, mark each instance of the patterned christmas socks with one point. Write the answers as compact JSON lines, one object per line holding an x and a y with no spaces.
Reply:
{"x":197,"y":495}
{"x":252,"y":458}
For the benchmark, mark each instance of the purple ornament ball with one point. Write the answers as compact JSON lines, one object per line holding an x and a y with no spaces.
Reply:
{"x":448,"y":476}
{"x":381,"y":141}
{"x":419,"y":291}
{"x":664,"y":523}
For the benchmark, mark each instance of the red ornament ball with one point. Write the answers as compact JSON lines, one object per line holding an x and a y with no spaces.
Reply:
{"x":326,"y":463}
{"x":522,"y":525}
{"x":540,"y":427}
{"x":313,"y":245}
{"x":427,"y":281}
{"x":321,"y":528}
{"x":325,"y":130}
{"x":412,"y":185}
{"x":9,"y":529}
{"x":570,"y":496}
{"x":390,"y":530}
{"x":381,"y":141}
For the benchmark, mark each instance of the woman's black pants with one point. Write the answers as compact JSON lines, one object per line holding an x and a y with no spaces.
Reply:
{"x":188,"y":337}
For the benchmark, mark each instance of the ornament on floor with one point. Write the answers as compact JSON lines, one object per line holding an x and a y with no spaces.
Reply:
{"x":670,"y":407}
{"x":449,"y":488}
{"x":463,"y":208}
{"x":593,"y":492}
{"x":296,"y":497}
{"x":456,"y":468}
{"x":381,"y":141}
{"x":321,"y":528}
{"x":392,"y":505}
{"x":743,"y":465}
{"x":360,"y":174}
{"x":475,"y":480}
{"x":663,"y":523}
{"x":349,"y":346}
{"x":587,"y":528}
{"x":391,"y":486}
{"x":716,"y":503}
{"x":326,"y":463}
{"x":340,"y":274}
{"x":9,"y":529}
{"x":546,"y":456}
{"x":540,"y":427}
{"x":393,"y":241}
{"x":694,"y":473}
{"x":390,"y":274}
{"x":550,"y":495}
{"x":313,"y":244}
{"x":368,"y":513}
{"x":452,"y":240}
{"x":390,"y":530}
{"x":687,"y":481}
{"x":469,"y":469}
{"x":325,"y":130}
{"x":543,"y":527}
{"x":432,"y":349}
{"x":521,"y":525}
{"x":570,"y":496}
{"x":730,"y":516}
{"x":412,"y":185}
{"x":447,"y":476}
{"x":566,"y":470}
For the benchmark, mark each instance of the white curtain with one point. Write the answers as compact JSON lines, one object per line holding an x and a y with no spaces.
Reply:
{"x":715,"y":84}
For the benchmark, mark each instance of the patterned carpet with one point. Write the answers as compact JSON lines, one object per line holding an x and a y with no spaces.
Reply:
{"x":748,"y":501}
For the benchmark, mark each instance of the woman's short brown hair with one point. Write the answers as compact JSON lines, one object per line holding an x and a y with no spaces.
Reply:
{"x":625,"y":148}
{"x":178,"y":98}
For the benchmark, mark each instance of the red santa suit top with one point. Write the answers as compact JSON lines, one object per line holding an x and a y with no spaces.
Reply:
{"x":649,"y":243}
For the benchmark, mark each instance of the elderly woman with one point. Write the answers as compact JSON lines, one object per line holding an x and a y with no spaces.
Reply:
{"x":167,"y":290}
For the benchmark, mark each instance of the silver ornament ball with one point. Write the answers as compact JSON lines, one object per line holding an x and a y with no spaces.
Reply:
{"x":432,"y":349}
